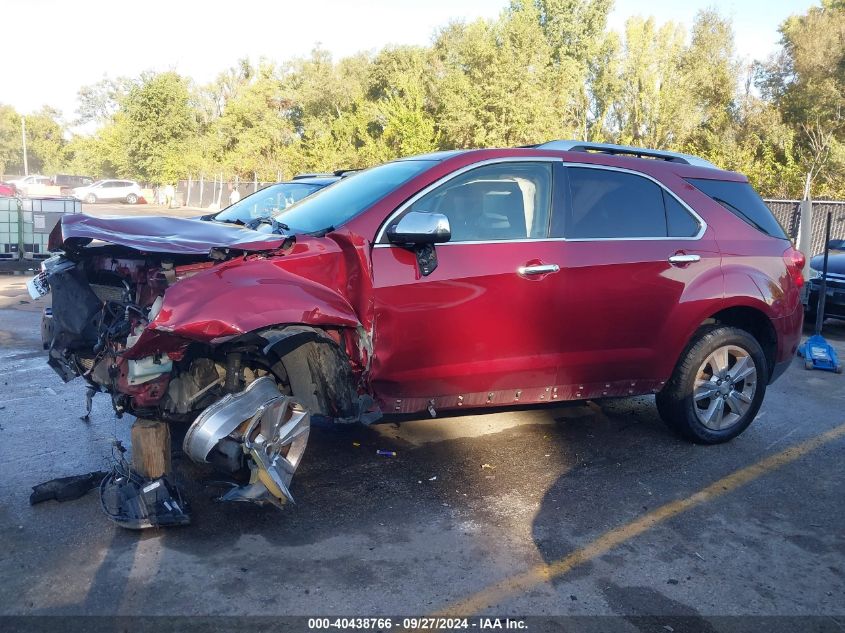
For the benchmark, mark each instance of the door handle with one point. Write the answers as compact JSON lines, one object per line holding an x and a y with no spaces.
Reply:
{"x":538,"y":269}
{"x":681,"y":259}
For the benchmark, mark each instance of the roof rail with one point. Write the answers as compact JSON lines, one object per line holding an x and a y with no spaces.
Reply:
{"x":314,"y":175}
{"x":639,"y":152}
{"x":346,"y":172}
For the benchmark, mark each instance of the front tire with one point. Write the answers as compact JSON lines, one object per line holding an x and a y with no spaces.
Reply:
{"x":131,"y":198}
{"x":717,"y":387}
{"x":91,"y":198}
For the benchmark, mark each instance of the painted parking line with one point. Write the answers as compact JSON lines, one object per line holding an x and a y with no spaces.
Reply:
{"x":519,"y":583}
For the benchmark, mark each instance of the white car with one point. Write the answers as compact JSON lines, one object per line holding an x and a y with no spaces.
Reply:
{"x":127,"y":191}
{"x":22,"y":184}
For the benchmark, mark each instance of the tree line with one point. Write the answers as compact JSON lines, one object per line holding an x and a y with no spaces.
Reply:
{"x":544,"y":69}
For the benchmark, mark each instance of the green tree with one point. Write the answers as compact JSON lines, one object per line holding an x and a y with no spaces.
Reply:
{"x":806,"y":81}
{"x":158,"y":127}
{"x":497,"y":83}
{"x":11,"y":152}
{"x":254,"y":131}
{"x":400,"y":84}
{"x":656,"y":106}
{"x":45,"y":136}
{"x":99,"y":102}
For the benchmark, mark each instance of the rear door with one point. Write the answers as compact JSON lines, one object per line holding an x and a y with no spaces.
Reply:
{"x":124,"y":188}
{"x":636,"y":265}
{"x":478,"y":329}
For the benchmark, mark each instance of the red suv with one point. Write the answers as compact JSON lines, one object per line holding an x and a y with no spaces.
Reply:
{"x":454,"y":280}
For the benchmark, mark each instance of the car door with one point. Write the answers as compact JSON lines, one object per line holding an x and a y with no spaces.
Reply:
{"x":105,"y":191}
{"x":121,"y":190}
{"x":476,"y":330}
{"x":636,"y":265}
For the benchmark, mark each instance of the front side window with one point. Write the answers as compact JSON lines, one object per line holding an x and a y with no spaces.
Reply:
{"x":609,"y":204}
{"x":503,"y":201}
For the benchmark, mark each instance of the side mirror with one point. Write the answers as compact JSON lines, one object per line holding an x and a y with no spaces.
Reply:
{"x":420,"y":228}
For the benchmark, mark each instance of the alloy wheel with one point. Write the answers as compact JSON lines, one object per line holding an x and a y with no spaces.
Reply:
{"x":724,"y":387}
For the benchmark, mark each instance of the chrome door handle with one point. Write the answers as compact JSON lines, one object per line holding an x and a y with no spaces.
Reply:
{"x":540,"y":269}
{"x":684,"y":259}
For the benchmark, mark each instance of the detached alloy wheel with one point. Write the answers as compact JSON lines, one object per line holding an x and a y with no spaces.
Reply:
{"x":131,"y":198}
{"x":717,"y":387}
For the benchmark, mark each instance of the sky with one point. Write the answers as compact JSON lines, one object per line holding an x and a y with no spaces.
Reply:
{"x":67,"y":44}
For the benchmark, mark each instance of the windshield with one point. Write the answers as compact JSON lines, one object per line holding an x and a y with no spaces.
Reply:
{"x":267,"y":202}
{"x":350,"y":196}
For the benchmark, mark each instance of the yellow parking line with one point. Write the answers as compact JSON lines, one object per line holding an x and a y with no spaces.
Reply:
{"x":544,"y":572}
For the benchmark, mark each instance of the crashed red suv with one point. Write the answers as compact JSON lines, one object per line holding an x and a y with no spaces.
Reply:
{"x":460,"y":279}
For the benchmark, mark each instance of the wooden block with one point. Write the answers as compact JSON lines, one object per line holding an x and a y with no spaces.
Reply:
{"x":151,"y":448}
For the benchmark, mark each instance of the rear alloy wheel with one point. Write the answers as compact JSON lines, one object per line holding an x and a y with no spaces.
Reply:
{"x":131,"y":198}
{"x":91,"y":198}
{"x":717,"y":387}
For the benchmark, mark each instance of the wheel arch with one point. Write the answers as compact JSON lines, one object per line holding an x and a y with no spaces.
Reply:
{"x":750,"y":319}
{"x":315,"y":364}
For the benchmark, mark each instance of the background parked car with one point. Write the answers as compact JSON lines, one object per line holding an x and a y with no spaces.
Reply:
{"x":6,"y":190}
{"x":266,"y":202}
{"x":834,"y":305}
{"x":127,"y":191}
{"x":21,"y":185}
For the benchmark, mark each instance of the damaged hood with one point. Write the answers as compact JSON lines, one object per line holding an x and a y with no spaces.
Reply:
{"x":159,"y":234}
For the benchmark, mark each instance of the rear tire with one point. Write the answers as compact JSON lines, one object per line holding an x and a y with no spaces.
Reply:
{"x":131,"y":198}
{"x":717,"y":387}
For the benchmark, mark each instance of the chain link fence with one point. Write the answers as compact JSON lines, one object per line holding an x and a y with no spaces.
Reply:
{"x":788,"y":213}
{"x":204,"y":193}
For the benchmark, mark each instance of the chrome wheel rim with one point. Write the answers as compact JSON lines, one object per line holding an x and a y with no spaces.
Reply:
{"x":724,"y":389}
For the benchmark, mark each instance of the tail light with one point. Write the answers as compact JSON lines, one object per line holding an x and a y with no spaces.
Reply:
{"x":795,"y":261}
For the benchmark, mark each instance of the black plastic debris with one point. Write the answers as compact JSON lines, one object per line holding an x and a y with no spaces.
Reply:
{"x":66,"y":488}
{"x":136,"y":503}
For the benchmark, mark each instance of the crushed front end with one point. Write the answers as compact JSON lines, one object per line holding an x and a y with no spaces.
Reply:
{"x":229,"y":386}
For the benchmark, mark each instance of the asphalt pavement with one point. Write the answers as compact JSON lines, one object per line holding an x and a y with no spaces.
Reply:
{"x":585,"y":509}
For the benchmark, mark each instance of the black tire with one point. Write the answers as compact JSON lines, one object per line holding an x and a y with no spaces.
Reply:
{"x":675,"y":402}
{"x":131,"y":198}
{"x":91,"y":198}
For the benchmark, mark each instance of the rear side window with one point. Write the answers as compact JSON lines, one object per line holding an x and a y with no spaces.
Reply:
{"x":679,"y":222}
{"x":607,"y":204}
{"x":740,"y":199}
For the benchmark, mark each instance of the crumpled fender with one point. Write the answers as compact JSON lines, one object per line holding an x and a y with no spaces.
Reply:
{"x":241,"y":296}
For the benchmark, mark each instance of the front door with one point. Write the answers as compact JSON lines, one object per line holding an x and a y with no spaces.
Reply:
{"x":475,"y":331}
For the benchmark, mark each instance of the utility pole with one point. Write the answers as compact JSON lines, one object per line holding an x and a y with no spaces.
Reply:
{"x":23,"y":137}
{"x":805,"y":227}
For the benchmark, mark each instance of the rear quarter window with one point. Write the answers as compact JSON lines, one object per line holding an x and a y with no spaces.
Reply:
{"x":740,"y":199}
